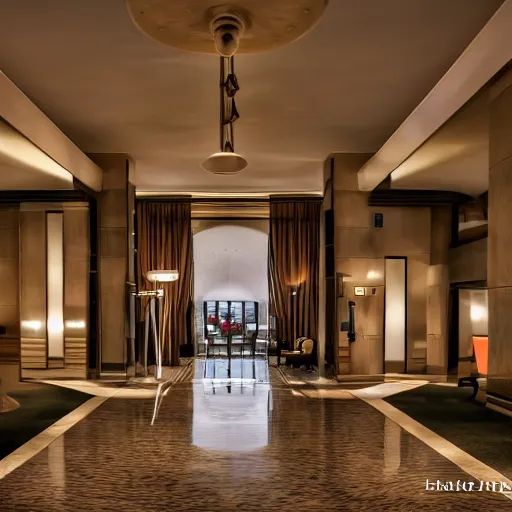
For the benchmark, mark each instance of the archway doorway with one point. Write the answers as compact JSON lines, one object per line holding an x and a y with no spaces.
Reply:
{"x":230,"y":276}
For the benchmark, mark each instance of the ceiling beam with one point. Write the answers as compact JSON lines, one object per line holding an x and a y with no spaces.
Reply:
{"x":419,"y":198}
{"x":42,"y":196}
{"x":485,"y":56}
{"x":17,"y":110}
{"x":24,"y":165}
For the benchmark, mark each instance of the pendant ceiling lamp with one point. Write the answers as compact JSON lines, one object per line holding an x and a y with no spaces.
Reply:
{"x":243,"y":27}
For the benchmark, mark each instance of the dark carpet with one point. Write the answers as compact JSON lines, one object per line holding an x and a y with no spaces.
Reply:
{"x":40,"y":406}
{"x":449,"y":412}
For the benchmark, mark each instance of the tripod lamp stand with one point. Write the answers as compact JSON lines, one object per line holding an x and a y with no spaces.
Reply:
{"x":153,"y":315}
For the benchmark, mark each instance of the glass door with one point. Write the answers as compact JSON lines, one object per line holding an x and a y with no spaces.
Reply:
{"x":251,"y":318}
{"x":230,"y":326}
{"x":237,"y":318}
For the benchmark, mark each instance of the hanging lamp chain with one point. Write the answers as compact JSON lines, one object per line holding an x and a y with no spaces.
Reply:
{"x":228,"y":111}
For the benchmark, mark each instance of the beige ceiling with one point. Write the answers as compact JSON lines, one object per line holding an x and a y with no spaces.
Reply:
{"x":345,"y":87}
{"x":456,"y":157}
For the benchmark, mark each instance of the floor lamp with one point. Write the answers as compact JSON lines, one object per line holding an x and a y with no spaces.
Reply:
{"x":153,"y":315}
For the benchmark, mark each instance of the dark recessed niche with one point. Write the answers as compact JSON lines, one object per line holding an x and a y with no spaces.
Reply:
{"x":378,"y":220}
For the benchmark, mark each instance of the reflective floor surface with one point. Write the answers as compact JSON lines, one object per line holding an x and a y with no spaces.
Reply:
{"x":251,"y":442}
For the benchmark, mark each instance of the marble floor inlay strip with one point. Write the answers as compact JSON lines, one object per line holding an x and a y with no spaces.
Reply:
{"x":284,"y":378}
{"x":44,"y":439}
{"x":387,"y":389}
{"x":463,"y":460}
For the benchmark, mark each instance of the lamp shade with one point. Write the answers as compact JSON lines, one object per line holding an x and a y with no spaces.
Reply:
{"x":225,"y":163}
{"x":162,"y":276}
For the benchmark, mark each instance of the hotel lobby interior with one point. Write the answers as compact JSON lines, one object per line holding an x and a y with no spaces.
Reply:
{"x":281,"y":285}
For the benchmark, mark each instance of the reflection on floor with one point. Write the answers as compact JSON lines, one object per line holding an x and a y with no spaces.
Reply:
{"x":449,"y":412}
{"x":54,"y":373}
{"x":40,"y":406}
{"x":234,"y":440}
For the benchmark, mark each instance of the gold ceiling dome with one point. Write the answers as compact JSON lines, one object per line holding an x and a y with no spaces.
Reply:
{"x":262,"y":24}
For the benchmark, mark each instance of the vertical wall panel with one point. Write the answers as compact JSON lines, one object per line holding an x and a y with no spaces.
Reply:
{"x":395,"y":315}
{"x":55,"y":284}
{"x":9,"y":292}
{"x":76,"y":286}
{"x":33,"y":288}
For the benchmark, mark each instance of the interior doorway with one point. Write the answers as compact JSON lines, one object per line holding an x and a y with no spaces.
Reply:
{"x":468,"y":327}
{"x":230,"y":282}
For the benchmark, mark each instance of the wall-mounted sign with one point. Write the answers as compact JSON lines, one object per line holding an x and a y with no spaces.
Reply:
{"x":359,"y":290}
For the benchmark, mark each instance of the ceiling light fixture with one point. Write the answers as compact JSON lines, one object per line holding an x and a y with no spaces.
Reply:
{"x":226,"y":31}
{"x":240,"y":27}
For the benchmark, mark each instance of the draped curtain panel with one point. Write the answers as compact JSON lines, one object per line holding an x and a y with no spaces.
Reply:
{"x":164,"y":242}
{"x":294,"y":245}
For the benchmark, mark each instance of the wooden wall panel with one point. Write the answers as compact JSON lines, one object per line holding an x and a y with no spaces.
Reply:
{"x":9,"y":291}
{"x":76,"y":286}
{"x":33,"y":288}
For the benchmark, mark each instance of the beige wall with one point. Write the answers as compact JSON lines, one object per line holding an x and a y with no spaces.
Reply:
{"x":9,"y":297}
{"x":199,"y":225}
{"x":499,"y":262}
{"x":360,"y":252}
{"x":468,"y":262}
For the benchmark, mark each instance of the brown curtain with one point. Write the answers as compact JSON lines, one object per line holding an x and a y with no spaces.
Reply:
{"x":164,"y":242}
{"x":294,"y":244}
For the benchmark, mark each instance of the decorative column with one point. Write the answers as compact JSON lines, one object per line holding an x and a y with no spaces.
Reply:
{"x":438,"y":291}
{"x":115,"y":212}
{"x":357,"y":261}
{"x":499,"y":260}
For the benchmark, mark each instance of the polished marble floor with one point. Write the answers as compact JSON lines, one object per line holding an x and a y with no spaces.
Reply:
{"x":253,"y":444}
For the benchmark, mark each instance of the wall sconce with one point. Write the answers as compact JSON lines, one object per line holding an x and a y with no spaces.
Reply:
{"x":359,"y":291}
